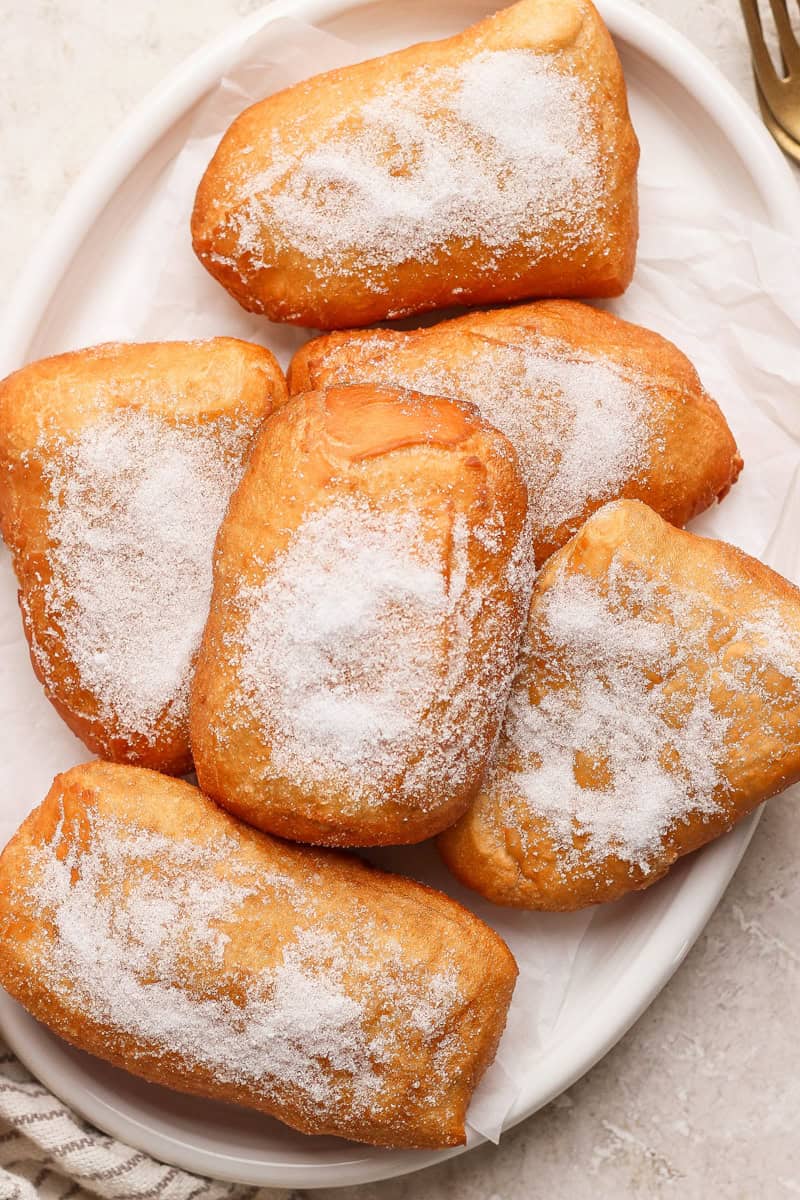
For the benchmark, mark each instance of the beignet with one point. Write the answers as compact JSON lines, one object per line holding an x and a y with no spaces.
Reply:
{"x":494,"y":165}
{"x":596,"y":407}
{"x":657,"y":703}
{"x":116,"y":466}
{"x":144,"y":925}
{"x":371,"y":583}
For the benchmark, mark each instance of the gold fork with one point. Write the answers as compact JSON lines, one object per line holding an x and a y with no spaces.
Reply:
{"x":778,"y":96}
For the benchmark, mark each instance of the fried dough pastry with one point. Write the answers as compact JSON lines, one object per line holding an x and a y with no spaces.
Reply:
{"x":657,"y":704}
{"x":144,"y":925}
{"x":371,"y":582}
{"x":116,"y":466}
{"x":494,"y":165}
{"x":596,"y":407}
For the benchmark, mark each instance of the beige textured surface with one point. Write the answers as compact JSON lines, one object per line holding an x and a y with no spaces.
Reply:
{"x":702,"y":1098}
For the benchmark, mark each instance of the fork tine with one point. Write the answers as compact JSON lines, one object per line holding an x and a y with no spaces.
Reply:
{"x":787,"y":39}
{"x":787,"y":143}
{"x":763,"y":65}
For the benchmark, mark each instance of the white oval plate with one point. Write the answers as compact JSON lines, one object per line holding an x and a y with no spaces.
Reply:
{"x":692,"y":126}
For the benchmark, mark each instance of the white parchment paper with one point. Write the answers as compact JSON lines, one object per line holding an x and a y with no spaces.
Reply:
{"x":725,"y":290}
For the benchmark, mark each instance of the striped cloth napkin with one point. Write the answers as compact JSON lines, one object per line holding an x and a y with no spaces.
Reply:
{"x":48,"y":1153}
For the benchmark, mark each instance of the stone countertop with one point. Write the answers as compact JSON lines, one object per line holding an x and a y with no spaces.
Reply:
{"x":702,"y":1098}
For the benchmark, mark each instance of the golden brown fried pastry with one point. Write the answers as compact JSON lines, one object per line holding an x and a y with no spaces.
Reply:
{"x":371,"y":582}
{"x":116,"y":466}
{"x":143,"y":924}
{"x":494,"y":165}
{"x":658,"y":702}
{"x":597,"y":408}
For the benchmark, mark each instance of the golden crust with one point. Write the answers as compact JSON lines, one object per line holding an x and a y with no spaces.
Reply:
{"x":732,"y":673}
{"x":373,"y":923}
{"x":266,"y":272}
{"x":437,"y":497}
{"x":690,"y":459}
{"x":44,"y":409}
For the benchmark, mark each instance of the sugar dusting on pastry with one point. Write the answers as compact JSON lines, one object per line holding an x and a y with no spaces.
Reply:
{"x":579,"y":421}
{"x":135,"y":504}
{"x":140,"y":925}
{"x":772,"y":642}
{"x":615,"y":713}
{"x":628,"y":678}
{"x":498,"y":150}
{"x":357,"y":635}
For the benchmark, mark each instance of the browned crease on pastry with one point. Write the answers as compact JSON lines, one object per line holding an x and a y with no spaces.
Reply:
{"x":370,"y":586}
{"x":596,"y":407}
{"x":146,"y":926}
{"x":116,"y":466}
{"x":494,"y":165}
{"x":657,"y":703}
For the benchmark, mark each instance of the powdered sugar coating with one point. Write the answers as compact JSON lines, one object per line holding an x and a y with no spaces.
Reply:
{"x":498,"y":150}
{"x":611,"y":713}
{"x":580,"y":422}
{"x":630,"y":677}
{"x":142,"y":942}
{"x":135,"y":502}
{"x":357,"y":652}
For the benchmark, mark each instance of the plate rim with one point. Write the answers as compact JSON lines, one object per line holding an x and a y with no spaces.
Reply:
{"x":709,"y":873}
